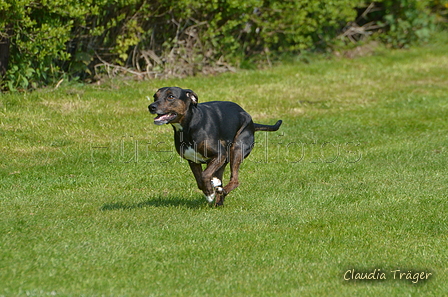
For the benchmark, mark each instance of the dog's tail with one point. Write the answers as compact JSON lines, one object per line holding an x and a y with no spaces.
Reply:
{"x":260,"y":127}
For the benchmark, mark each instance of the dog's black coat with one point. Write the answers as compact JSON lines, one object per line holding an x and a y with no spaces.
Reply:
{"x":215,"y":133}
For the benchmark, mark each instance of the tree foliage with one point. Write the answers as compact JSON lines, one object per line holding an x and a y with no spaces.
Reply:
{"x":45,"y":40}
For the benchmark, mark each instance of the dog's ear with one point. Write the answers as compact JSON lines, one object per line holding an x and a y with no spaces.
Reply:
{"x":192,"y":95}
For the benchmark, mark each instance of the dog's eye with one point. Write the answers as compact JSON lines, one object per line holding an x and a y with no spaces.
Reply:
{"x":171,"y":97}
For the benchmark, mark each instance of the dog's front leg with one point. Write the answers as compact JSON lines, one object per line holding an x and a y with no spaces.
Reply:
{"x":207,"y":176}
{"x":197,"y":172}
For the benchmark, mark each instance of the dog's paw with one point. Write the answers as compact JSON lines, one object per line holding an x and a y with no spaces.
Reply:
{"x":218,"y":190}
{"x":210,"y":198}
{"x":216,"y":182}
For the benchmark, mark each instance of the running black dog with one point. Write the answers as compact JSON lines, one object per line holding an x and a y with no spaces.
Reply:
{"x":213,"y":133}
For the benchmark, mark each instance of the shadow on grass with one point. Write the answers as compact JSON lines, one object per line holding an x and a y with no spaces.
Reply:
{"x":156,"y":202}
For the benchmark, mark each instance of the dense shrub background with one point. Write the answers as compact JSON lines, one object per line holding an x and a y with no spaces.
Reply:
{"x":44,"y":41}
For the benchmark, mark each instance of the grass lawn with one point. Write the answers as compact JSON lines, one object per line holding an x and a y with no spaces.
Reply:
{"x":94,"y":201}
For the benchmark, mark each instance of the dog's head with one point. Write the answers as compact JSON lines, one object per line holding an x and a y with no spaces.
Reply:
{"x":171,"y":104}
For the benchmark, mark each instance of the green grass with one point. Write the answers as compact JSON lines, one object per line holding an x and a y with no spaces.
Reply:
{"x":94,"y":201}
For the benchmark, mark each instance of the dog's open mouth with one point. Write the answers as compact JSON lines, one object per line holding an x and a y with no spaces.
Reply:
{"x":164,"y":118}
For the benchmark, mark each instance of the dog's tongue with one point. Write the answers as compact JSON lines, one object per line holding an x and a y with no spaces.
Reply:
{"x":164,"y":118}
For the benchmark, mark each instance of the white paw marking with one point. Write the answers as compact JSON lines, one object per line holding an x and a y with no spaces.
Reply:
{"x":210,"y":198}
{"x":216,"y":182}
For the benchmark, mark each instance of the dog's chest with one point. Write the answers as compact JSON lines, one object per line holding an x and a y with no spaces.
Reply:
{"x":188,"y":148}
{"x":191,"y":154}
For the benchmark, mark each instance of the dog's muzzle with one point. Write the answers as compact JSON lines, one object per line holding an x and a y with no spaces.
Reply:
{"x":152,"y":108}
{"x":161,"y":118}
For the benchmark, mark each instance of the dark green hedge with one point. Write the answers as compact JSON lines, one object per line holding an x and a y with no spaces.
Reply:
{"x":44,"y":41}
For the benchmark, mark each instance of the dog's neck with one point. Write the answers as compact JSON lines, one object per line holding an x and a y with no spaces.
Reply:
{"x":185,"y":120}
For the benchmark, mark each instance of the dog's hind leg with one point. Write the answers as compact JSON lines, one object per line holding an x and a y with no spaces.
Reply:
{"x":236,"y":157}
{"x":239,"y":150}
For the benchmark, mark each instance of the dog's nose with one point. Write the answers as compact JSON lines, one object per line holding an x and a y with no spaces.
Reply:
{"x":152,"y":108}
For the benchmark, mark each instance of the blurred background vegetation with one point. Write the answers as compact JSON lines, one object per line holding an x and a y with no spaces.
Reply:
{"x":43,"y":42}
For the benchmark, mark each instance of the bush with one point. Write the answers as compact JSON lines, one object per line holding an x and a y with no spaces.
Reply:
{"x":45,"y":41}
{"x":37,"y":33}
{"x":407,"y":22}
